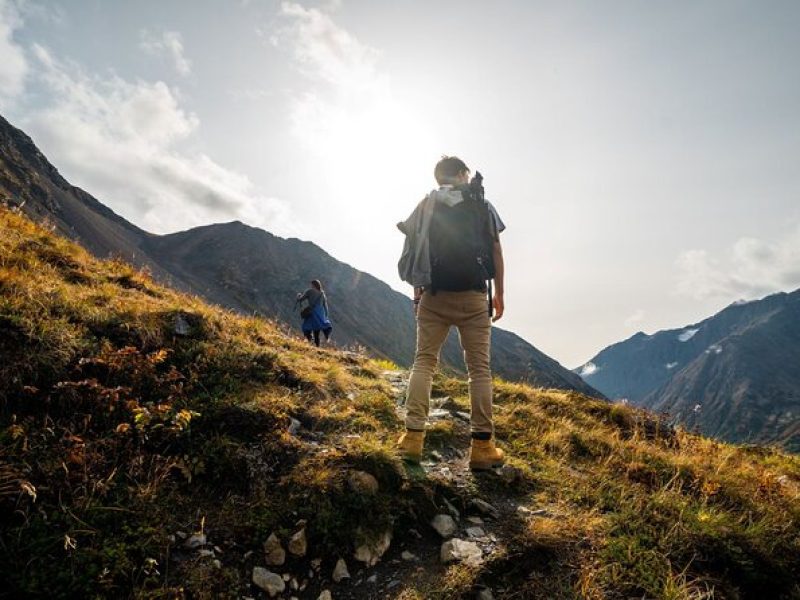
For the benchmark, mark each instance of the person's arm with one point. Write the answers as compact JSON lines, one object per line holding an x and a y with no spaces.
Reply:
{"x":499,"y":273}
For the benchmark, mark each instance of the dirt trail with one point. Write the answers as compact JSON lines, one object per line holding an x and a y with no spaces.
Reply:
{"x":488,"y":509}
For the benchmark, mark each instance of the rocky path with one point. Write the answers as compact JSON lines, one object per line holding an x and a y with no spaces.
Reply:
{"x":453,"y":516}
{"x":476,"y":513}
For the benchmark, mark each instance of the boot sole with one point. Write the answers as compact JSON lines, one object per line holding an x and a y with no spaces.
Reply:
{"x":485,"y":466}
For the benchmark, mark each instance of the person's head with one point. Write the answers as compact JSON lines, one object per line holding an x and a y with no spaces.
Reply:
{"x":316,"y":284}
{"x":451,"y":170}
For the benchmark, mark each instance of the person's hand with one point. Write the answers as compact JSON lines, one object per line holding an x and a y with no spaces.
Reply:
{"x":499,"y":307}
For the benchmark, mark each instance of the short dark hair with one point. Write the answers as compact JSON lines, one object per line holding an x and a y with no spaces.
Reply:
{"x":316,"y":283}
{"x":448,"y":168}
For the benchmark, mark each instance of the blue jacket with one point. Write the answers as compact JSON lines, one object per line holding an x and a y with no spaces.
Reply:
{"x":318,"y":320}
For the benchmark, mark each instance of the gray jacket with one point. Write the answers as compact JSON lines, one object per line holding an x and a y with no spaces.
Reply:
{"x":414,"y":266}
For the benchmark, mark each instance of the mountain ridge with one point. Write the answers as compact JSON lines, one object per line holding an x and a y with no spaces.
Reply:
{"x":233,"y":277}
{"x":709,"y":376}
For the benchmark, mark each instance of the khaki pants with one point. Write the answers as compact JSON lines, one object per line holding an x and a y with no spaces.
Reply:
{"x":469,"y":312}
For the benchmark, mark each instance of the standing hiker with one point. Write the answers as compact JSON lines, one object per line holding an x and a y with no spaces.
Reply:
{"x":452,"y":249}
{"x":315,"y":313}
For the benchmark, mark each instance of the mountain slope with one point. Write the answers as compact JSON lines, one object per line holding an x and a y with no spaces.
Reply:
{"x":251,"y":271}
{"x":150,"y":444}
{"x":747,"y":387}
{"x":733,"y":375}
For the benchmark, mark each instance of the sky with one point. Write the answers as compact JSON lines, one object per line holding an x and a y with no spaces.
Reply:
{"x":645,"y":156}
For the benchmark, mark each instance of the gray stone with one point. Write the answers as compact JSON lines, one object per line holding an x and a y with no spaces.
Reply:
{"x":325,"y":595}
{"x":298,"y":544}
{"x":458,"y":550}
{"x":363,"y":483}
{"x":475,"y":520}
{"x":181,"y":325}
{"x":270,"y":582}
{"x":409,"y":556}
{"x":484,"y":507}
{"x":370,"y":552}
{"x":509,"y":474}
{"x":195,"y":541}
{"x":451,"y":509}
{"x":274,"y":552}
{"x":372,"y":578}
{"x":485,"y":594}
{"x":444,"y":525}
{"x":340,"y":571}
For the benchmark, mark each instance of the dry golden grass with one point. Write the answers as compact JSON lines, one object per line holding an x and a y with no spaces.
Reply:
{"x":107,"y":412}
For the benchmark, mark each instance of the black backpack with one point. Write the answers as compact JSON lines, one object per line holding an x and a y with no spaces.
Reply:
{"x":461,"y":243}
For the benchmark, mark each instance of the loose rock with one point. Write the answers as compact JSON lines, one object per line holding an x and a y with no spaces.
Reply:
{"x":485,"y":594}
{"x":270,"y":582}
{"x":340,"y":571}
{"x":195,"y":541}
{"x":509,"y":474}
{"x":325,"y":595}
{"x":451,"y":509}
{"x":444,"y":525}
{"x":475,"y":532}
{"x":406,"y":555}
{"x":371,"y":552}
{"x":456,"y":550}
{"x":275,"y":554}
{"x":298,"y":543}
{"x":363,"y":483}
{"x":484,"y":507}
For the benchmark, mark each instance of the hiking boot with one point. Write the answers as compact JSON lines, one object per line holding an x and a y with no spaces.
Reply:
{"x":485,"y":455}
{"x":410,"y":445}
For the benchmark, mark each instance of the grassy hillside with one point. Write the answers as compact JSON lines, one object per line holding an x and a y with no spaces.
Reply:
{"x":150,"y":444}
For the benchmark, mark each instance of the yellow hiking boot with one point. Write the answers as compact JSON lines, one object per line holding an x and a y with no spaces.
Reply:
{"x":410,"y":445}
{"x":485,"y":455}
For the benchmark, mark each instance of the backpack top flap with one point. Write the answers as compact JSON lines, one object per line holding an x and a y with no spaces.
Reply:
{"x":461,"y":245}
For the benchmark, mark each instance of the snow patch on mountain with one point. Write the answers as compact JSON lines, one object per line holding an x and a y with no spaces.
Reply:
{"x":687,"y":334}
{"x":671,"y":365}
{"x":588,"y":369}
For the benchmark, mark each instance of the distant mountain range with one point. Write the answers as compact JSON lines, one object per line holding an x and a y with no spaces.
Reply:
{"x":735,"y":375}
{"x":252,"y":271}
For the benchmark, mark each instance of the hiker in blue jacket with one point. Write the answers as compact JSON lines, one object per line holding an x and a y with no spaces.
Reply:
{"x":315,"y":313}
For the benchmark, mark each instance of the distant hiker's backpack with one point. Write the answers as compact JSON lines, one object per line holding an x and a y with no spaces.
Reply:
{"x":461,"y":244}
{"x":306,"y":311}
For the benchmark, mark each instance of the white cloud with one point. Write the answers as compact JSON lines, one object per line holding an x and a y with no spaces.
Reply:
{"x":13,"y":66}
{"x":124,"y":142}
{"x":750,"y":269}
{"x":169,"y":44}
{"x":326,"y":50}
{"x":346,"y":112}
